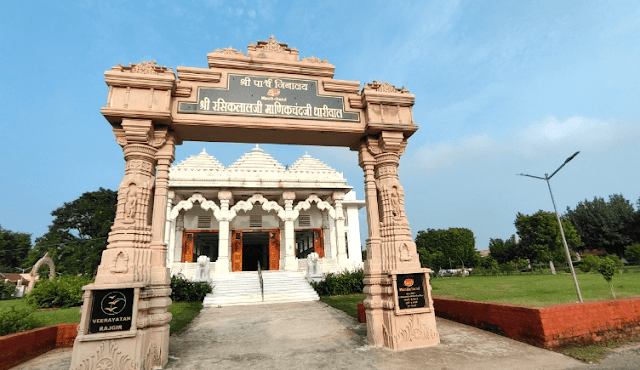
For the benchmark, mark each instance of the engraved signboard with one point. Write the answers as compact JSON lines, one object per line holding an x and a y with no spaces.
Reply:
{"x":112,"y":310}
{"x":263,"y":96}
{"x":410,"y":291}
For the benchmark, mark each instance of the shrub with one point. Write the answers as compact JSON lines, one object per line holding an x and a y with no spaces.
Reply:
{"x":6,"y":290}
{"x":632,"y":253}
{"x":341,"y":284}
{"x":65,"y":291}
{"x":521,"y":263}
{"x":589,"y":263}
{"x":13,"y":320}
{"x":183,"y":290}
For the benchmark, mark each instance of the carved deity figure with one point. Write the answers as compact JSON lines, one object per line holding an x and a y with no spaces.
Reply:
{"x":131,"y":200}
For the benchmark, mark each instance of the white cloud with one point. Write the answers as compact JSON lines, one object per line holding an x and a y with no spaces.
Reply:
{"x":547,"y":136}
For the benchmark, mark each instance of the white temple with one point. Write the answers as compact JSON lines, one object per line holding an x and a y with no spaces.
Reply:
{"x":256,"y":211}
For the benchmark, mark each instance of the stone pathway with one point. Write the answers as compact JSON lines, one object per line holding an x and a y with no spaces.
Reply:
{"x":312,"y":335}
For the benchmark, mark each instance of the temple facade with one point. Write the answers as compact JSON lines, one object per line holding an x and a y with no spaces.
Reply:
{"x":242,"y":216}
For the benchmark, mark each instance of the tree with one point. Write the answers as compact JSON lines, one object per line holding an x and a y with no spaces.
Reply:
{"x":504,"y":250}
{"x":540,"y":237}
{"x":78,"y":234}
{"x":14,"y":248}
{"x":606,"y":226}
{"x":632,"y":252}
{"x":454,"y":247}
{"x":607,"y":269}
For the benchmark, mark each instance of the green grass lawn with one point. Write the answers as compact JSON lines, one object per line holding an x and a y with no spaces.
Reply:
{"x":346,"y":303}
{"x":183,"y":313}
{"x":535,"y":290}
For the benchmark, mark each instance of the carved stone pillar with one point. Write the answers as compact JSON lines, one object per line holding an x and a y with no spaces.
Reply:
{"x":392,"y":259}
{"x":222,"y":265}
{"x":135,"y":258}
{"x":397,"y":250}
{"x":338,"y":198}
{"x":290,"y":263}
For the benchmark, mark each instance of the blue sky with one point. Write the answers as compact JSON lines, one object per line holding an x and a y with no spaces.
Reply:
{"x":500,"y":89}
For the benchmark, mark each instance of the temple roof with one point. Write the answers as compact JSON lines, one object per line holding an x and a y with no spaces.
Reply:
{"x":255,"y":169}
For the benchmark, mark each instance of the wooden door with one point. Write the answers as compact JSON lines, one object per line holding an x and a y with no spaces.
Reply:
{"x":187,"y":247}
{"x":274,"y":250}
{"x":318,"y":246}
{"x":236,"y":251}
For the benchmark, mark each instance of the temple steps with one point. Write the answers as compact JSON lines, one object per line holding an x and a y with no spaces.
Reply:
{"x":244,"y":288}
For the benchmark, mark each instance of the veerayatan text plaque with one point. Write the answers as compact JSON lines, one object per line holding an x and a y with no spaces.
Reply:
{"x":264,"y":96}
{"x":112,"y":310}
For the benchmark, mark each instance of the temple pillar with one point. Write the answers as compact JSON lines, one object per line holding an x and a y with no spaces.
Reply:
{"x":338,"y":198}
{"x":133,"y":267}
{"x":222,"y":264}
{"x":290,"y":215}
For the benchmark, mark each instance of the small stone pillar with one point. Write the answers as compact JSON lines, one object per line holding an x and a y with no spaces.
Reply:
{"x":290,"y":215}
{"x":222,"y":264}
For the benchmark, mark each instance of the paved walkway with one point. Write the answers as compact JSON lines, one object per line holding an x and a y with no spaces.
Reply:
{"x":312,"y":335}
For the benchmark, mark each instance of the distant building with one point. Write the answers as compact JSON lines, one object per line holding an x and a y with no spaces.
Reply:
{"x":258,"y":211}
{"x":484,"y":253}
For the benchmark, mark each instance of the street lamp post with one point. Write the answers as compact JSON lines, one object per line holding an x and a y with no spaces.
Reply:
{"x":564,"y":241}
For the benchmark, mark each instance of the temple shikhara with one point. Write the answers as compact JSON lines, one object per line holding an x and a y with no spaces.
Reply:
{"x":241,"y":215}
{"x":226,"y":221}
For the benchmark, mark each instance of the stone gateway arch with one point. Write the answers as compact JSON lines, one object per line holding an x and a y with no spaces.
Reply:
{"x":266,"y":95}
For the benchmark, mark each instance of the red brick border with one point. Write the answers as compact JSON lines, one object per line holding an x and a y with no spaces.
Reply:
{"x":22,"y":346}
{"x":551,"y":327}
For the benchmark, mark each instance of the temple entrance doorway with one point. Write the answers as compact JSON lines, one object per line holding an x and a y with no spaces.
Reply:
{"x":250,"y":247}
{"x":198,"y":243}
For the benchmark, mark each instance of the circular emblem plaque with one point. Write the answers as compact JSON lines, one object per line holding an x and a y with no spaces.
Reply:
{"x":408,"y":282}
{"x":113,"y":303}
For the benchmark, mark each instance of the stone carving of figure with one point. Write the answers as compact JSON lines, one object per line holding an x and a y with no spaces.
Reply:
{"x":130,"y":204}
{"x":203,"y":269}
{"x":314,"y":272}
{"x":395,"y":201}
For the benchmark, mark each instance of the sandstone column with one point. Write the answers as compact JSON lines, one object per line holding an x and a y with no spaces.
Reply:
{"x":391,"y":251}
{"x":132,"y":282}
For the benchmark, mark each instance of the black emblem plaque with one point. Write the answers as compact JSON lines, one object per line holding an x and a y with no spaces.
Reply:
{"x":411,"y":292}
{"x":263,"y":96}
{"x":112,"y":310}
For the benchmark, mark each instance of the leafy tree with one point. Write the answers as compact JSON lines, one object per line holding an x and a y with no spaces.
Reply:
{"x":504,"y":250}
{"x":540,"y":237}
{"x":14,"y":248}
{"x":632,"y":252}
{"x":607,"y":269}
{"x":454,"y":247}
{"x":606,"y":226}
{"x":78,"y":234}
